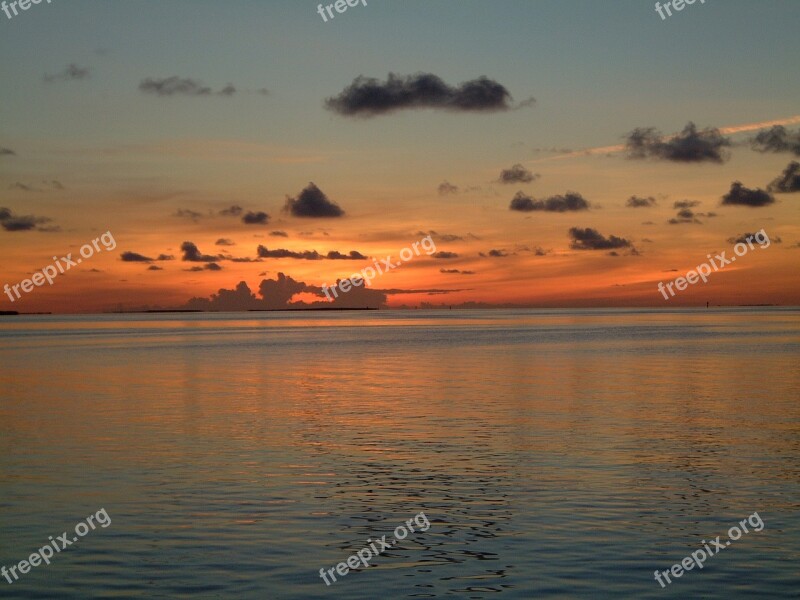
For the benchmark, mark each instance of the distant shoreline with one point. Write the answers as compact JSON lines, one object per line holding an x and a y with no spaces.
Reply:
{"x":13,"y":313}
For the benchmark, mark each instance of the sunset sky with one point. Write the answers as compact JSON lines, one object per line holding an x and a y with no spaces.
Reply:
{"x":174,"y":121}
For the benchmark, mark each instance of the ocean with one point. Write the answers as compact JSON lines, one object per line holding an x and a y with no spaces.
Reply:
{"x":554,"y":453}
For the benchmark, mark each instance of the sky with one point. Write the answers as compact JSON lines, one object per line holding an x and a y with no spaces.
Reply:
{"x":243,"y":154}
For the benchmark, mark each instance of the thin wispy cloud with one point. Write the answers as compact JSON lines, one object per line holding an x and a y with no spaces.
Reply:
{"x":181,"y":86}
{"x":72,"y":72}
{"x":185,"y":213}
{"x":446,"y":188}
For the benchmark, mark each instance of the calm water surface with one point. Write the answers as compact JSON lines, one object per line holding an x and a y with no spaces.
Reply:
{"x":556,"y":454}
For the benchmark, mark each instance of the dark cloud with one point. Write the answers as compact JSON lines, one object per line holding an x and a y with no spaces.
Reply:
{"x":639,"y":202}
{"x":517,"y":174}
{"x":275,"y":294}
{"x":456,"y":272}
{"x":165,"y":257}
{"x":777,"y":139}
{"x":71,"y":73}
{"x":213,"y":267}
{"x":232,"y":211}
{"x":7,"y":152}
{"x":255,"y":218}
{"x":23,"y":223}
{"x":571,"y":201}
{"x":356,"y":297}
{"x":684,"y":215}
{"x":12,"y":222}
{"x":264,"y":252}
{"x":689,"y":146}
{"x":185,"y":213}
{"x":352,"y":255}
{"x":685,"y":204}
{"x":154,"y":268}
{"x":312,"y":202}
{"x":742,"y":196}
{"x":181,"y":86}
{"x":279,"y":234}
{"x":743,"y":238}
{"x":368,"y":96}
{"x":283,"y":253}
{"x":134,"y":257}
{"x":22,"y":187}
{"x":446,"y":188}
{"x":789,"y":180}
{"x":591,"y":239}
{"x":192,"y":254}
{"x":240,"y":298}
{"x":278,"y":292}
{"x":224,"y":242}
{"x":495,"y":253}
{"x":444,"y":255}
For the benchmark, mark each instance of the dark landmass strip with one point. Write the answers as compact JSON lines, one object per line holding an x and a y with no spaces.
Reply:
{"x":305,"y":309}
{"x":176,"y":310}
{"x":193,"y":310}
